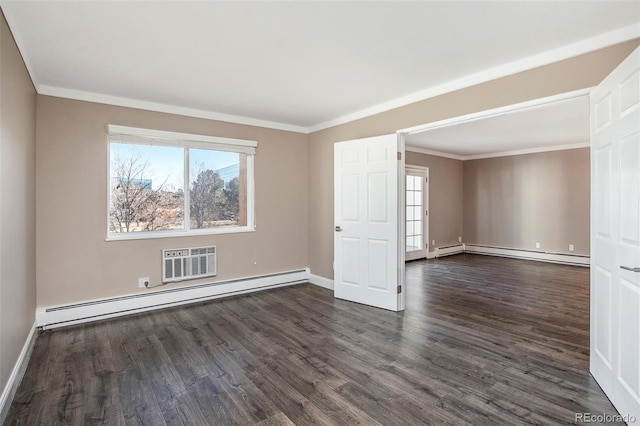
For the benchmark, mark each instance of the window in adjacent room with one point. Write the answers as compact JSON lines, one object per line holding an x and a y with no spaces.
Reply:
{"x":170,"y":184}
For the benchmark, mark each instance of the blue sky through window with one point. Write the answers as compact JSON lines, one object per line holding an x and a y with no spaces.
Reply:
{"x":166,"y":164}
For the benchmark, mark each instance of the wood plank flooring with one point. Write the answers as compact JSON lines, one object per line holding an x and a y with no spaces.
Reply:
{"x":484,"y":340}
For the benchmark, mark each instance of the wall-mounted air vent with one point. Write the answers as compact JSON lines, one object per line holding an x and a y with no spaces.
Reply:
{"x":188,"y":263}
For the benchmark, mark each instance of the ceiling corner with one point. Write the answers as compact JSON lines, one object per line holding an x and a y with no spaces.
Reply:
{"x":17,"y":37}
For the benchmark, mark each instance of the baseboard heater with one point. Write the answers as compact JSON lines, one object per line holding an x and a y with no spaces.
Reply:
{"x":449,"y":250}
{"x":77,"y":313}
{"x":569,"y":259}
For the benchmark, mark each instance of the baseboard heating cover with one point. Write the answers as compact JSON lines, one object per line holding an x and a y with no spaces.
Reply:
{"x":449,"y":250}
{"x":77,"y":313}
{"x":570,"y":259}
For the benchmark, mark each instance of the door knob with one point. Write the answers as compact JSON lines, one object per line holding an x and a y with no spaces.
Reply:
{"x":338,"y":229}
{"x":629,"y":268}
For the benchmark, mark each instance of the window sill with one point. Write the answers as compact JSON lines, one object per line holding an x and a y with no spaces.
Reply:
{"x":177,"y":234}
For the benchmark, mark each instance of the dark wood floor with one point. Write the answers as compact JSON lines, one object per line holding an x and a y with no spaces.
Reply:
{"x":484,"y":340}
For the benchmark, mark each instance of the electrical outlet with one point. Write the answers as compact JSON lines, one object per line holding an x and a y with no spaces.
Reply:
{"x":570,"y":247}
{"x":537,"y":244}
{"x":433,"y":243}
{"x":144,"y":282}
{"x":459,"y":239}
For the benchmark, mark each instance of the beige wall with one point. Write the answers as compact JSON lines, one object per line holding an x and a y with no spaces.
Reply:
{"x":572,"y":74}
{"x":445,"y":197}
{"x":17,"y":204}
{"x":294,"y":182}
{"x":518,"y":200}
{"x":75,"y":263}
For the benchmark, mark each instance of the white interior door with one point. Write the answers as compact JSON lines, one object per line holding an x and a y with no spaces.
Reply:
{"x":366,"y":266}
{"x":417,"y":213}
{"x":615,"y":236}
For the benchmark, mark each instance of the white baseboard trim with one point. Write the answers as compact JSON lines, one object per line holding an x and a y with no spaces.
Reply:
{"x":77,"y":313}
{"x":17,"y":373}
{"x":449,"y":250}
{"x":579,"y":260}
{"x":321,"y":281}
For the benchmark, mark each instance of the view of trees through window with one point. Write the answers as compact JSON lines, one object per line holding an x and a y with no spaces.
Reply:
{"x":148,"y":191}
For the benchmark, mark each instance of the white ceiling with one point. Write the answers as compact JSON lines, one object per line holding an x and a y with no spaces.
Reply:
{"x":555,"y":125}
{"x":297,"y":65}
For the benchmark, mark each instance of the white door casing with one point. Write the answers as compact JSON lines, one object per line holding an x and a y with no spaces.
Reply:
{"x":415,"y":214}
{"x":367,"y":221}
{"x":615,"y":236}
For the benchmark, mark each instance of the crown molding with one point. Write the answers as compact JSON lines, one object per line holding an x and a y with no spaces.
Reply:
{"x":528,"y":151}
{"x":166,"y":108}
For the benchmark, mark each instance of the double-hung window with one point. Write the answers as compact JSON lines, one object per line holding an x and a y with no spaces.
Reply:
{"x":164,"y":184}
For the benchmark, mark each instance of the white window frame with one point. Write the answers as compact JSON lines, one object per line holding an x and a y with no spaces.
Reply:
{"x":139,"y":136}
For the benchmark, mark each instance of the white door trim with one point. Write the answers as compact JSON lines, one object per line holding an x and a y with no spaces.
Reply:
{"x":402,"y":217}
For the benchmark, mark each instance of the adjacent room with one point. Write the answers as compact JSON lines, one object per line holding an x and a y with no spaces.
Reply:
{"x":319,"y":212}
{"x":515,"y":179}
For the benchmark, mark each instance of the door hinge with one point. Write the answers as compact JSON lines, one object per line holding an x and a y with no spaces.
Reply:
{"x":399,"y":289}
{"x":399,"y":155}
{"x":426,"y":179}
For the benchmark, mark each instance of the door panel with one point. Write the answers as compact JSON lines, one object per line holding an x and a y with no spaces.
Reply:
{"x":378,"y":206}
{"x":350,"y":209}
{"x":630,"y":356}
{"x":378,"y":271}
{"x":350,"y":260}
{"x":417,"y":206}
{"x":630,"y":185}
{"x":605,"y":191}
{"x":602,"y":319}
{"x":366,"y":220}
{"x":615,"y":236}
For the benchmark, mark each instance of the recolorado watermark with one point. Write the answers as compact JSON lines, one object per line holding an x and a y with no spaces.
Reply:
{"x":604,"y":418}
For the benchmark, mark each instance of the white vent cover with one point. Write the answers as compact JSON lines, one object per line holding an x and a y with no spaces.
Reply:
{"x":188,"y":263}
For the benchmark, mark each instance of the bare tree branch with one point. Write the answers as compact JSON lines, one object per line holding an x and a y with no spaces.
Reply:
{"x":135,"y":205}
